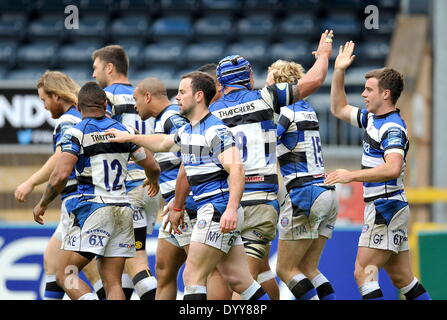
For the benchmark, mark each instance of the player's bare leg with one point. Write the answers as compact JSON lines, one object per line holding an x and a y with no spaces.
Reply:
{"x":169,"y":259}
{"x":110,"y":270}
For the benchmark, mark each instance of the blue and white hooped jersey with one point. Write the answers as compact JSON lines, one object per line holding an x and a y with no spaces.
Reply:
{"x":299,"y":146}
{"x":121,"y":107}
{"x":66,"y":121}
{"x":169,"y":121}
{"x":101,"y":168}
{"x":250,"y":116}
{"x":200,"y":146}
{"x":384,"y":134}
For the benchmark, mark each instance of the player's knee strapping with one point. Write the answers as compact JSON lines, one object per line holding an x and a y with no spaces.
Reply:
{"x":145,"y":285}
{"x":254,"y":292}
{"x":324,"y":288}
{"x":302,"y":288}
{"x":371,"y":291}
{"x":194,"y":293}
{"x":415,"y":291}
{"x":52,"y":289}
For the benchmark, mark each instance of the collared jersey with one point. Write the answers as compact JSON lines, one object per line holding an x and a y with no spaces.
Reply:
{"x":299,"y":146}
{"x":250,"y":116}
{"x":121,"y":107}
{"x":169,"y":121}
{"x":384,"y":134}
{"x":66,"y":121}
{"x":101,"y":168}
{"x":200,"y":146}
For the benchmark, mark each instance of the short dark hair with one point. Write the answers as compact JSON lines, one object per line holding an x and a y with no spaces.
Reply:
{"x":201,"y":81}
{"x":115,"y":55}
{"x":389,"y":79}
{"x":91,"y":95}
{"x":209,"y":68}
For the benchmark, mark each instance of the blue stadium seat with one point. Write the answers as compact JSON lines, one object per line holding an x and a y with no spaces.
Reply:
{"x":214,"y":27}
{"x":3,"y":72}
{"x":29,"y":75}
{"x":173,"y":28}
{"x":133,"y":49}
{"x":13,"y":25}
{"x":97,"y":5}
{"x":373,"y":51}
{"x":16,"y":5}
{"x":163,"y":74}
{"x":130,"y":27}
{"x":342,"y":24}
{"x":340,"y":5}
{"x":298,"y":52}
{"x":48,"y":27}
{"x":54,"y":5}
{"x":255,"y":52}
{"x":257,"y":26}
{"x":8,"y":50}
{"x":162,"y":54}
{"x":78,"y":54}
{"x":261,"y":5}
{"x":301,"y":5}
{"x":176,"y":6}
{"x":39,"y":54}
{"x":138,"y":6}
{"x":213,"y":6}
{"x":297,"y":26}
{"x":90,"y":27}
{"x":80,"y":75}
{"x":198,"y":54}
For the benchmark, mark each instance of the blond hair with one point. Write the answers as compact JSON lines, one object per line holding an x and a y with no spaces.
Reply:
{"x":58,"y":83}
{"x":286,"y":71}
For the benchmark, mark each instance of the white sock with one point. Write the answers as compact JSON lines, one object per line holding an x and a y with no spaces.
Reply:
{"x":145,"y":285}
{"x":250,"y":291}
{"x":126,"y":281}
{"x":97,"y":285}
{"x":265,"y":276}
{"x":319,"y":280}
{"x":369,"y":287}
{"x":407,"y":289}
{"x":195,"y":290}
{"x":88,"y":296}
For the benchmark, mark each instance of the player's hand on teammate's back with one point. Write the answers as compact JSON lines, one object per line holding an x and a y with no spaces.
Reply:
{"x":22,"y":191}
{"x":338,"y":176}
{"x":325,"y":45}
{"x":38,"y":212}
{"x":228,"y":221}
{"x":345,"y":56}
{"x":117,"y":135}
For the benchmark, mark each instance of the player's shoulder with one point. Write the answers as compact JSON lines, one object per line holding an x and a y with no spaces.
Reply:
{"x":391,"y":120}
{"x":72,"y":116}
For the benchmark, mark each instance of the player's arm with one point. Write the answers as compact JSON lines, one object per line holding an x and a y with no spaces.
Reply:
{"x":339,"y":102}
{"x":390,"y":170}
{"x":40,"y":176}
{"x":153,"y":142}
{"x":151,"y":168}
{"x":231,"y":161}
{"x":316,"y":75}
{"x":176,"y":208}
{"x":56,"y":183}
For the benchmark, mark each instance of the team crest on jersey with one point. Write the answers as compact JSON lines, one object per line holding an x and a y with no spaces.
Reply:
{"x":284,"y":221}
{"x":201,"y":224}
{"x":138,"y":245}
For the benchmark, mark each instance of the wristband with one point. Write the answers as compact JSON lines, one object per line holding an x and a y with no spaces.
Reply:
{"x":177,"y":209}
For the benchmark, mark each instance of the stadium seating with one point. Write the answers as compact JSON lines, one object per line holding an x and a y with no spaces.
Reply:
{"x":183,"y":34}
{"x":77,"y":54}
{"x":39,"y":54}
{"x":13,"y":26}
{"x":130,"y":27}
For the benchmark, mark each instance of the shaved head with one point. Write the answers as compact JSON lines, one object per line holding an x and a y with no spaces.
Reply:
{"x":152,"y":85}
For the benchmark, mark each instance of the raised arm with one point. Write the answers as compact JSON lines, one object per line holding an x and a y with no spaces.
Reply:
{"x":152,"y":142}
{"x":339,"y":102}
{"x":316,"y":75}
